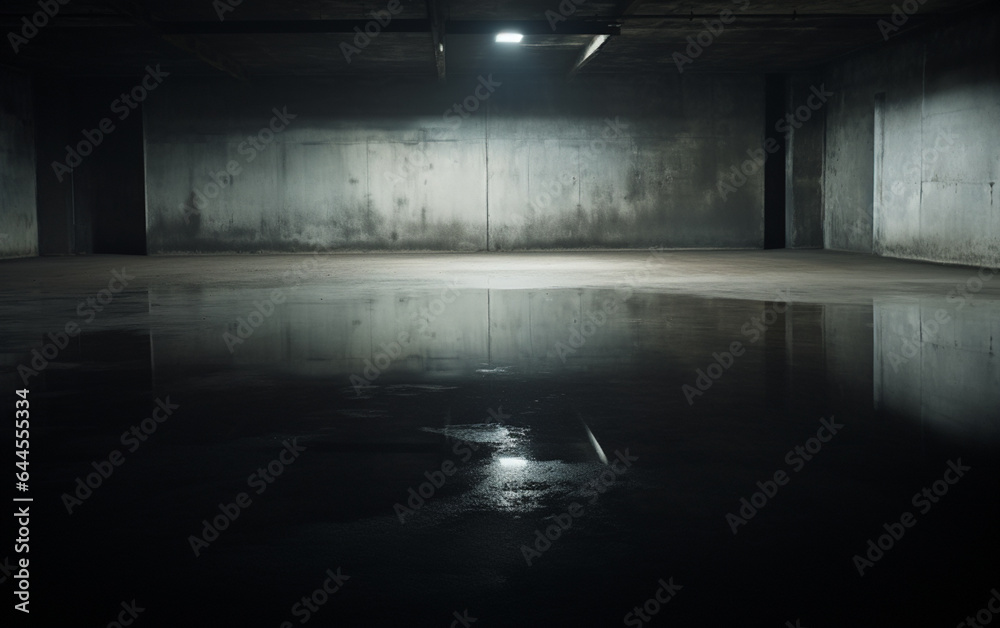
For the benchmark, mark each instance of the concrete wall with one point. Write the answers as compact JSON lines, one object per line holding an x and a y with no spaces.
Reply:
{"x":525,"y":163}
{"x":917,"y":180}
{"x":18,"y":228}
{"x":804,"y":166}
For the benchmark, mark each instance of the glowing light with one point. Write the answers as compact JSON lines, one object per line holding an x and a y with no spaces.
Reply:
{"x":512,"y":462}
{"x":592,"y":47}
{"x":509,"y":38}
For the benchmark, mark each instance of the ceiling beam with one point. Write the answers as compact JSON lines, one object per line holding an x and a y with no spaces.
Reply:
{"x":602,"y":26}
{"x":290,"y":27}
{"x":207,"y":54}
{"x":454,"y":27}
{"x":628,"y":7}
{"x":437,"y":11}
{"x":191,"y":45}
{"x":589,"y":26}
{"x":791,"y":17}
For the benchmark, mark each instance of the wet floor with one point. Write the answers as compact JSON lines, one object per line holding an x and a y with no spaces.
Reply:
{"x":621,"y":444}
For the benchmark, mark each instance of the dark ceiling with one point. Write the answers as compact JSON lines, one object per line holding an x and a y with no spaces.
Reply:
{"x":305,"y":37}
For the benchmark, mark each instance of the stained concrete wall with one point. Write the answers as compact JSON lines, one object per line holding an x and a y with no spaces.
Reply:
{"x":18,"y":227}
{"x":523,"y":163}
{"x":804,"y":165}
{"x":563,"y":174}
{"x":918,"y":180}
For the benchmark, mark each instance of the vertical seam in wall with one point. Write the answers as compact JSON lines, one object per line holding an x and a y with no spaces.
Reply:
{"x":789,"y":166}
{"x":368,"y":180}
{"x":920,"y":149}
{"x":486,"y":139}
{"x":145,"y":183}
{"x":762,"y":138}
{"x":34,"y":158}
{"x":878,"y":165}
{"x":822,"y":175}
{"x":579,"y":178}
{"x":72,"y":212}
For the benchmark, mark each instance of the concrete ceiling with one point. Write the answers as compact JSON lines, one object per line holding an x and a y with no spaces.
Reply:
{"x":305,"y":37}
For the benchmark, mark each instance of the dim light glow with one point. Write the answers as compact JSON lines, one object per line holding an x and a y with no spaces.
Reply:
{"x":509,"y":38}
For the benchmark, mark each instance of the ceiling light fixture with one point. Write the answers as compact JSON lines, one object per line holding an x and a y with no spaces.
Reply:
{"x":509,"y":38}
{"x":515,"y":462}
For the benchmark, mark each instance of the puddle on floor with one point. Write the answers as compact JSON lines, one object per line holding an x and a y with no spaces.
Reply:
{"x":443,"y":434}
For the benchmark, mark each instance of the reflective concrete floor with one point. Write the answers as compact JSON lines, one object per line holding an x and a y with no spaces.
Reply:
{"x":578,"y":439}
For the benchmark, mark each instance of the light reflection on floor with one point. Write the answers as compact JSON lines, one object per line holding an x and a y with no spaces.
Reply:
{"x":529,"y":430}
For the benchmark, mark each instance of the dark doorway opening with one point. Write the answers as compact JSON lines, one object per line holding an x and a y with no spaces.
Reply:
{"x":774,"y":167}
{"x":91,"y":167}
